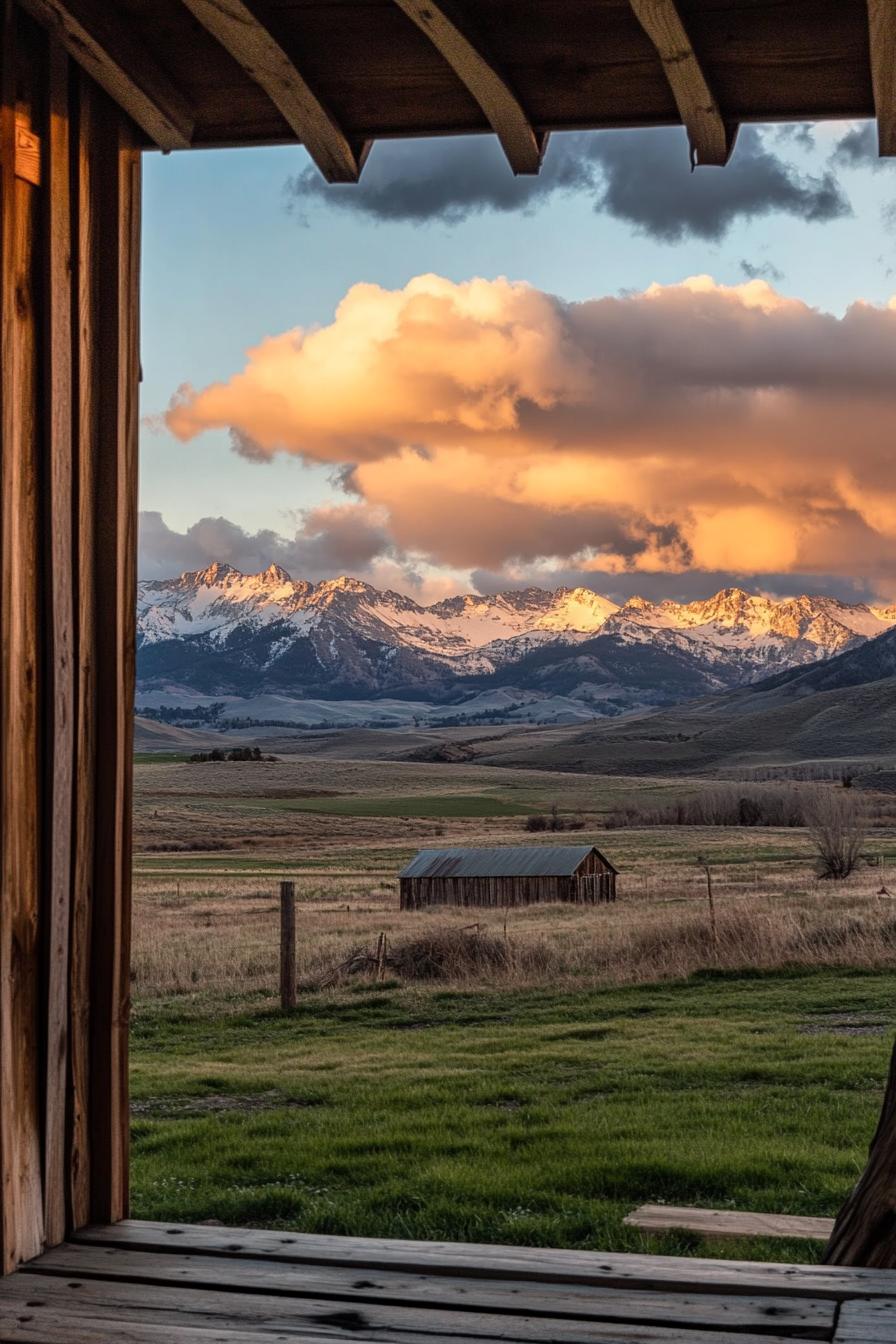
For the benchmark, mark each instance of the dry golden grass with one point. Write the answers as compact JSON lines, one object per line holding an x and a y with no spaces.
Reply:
{"x":220,"y":937}
{"x":215,"y":933}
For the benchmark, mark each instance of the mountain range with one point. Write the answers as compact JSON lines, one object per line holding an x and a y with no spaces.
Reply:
{"x":220,"y":633}
{"x":842,"y":709}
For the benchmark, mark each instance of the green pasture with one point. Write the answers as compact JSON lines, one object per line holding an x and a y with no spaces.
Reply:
{"x":520,"y":1116}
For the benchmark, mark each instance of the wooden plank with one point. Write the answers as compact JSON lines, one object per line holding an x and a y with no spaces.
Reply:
{"x":464,"y":51}
{"x":254,"y":47}
{"x":115,"y":592}
{"x":87,"y":391}
{"x":21,"y":1204}
{"x":728,"y":1223}
{"x":712,"y":140}
{"x":499,"y":1262}
{"x":104,"y":45}
{"x":38,"y":1327}
{"x":27,"y":158}
{"x":59,"y":639}
{"x":123,"y":1276}
{"x":867,"y":1322}
{"x":195,"y":1307}
{"x":882,"y":42}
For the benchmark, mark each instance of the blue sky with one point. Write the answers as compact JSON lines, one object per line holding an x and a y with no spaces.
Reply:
{"x":243,"y":245}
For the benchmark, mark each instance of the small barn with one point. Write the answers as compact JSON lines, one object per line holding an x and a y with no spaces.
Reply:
{"x":507,"y":875}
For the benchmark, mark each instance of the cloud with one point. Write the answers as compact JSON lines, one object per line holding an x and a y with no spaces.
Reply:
{"x":332,"y":539}
{"x":488,"y":424}
{"x":857,"y":148}
{"x":761,"y":270}
{"x":642,"y":177}
{"x":689,"y":586}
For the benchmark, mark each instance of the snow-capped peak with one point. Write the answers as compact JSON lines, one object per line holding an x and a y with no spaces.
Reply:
{"x":335,"y":623}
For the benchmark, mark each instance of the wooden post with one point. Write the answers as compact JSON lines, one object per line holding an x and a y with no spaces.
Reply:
{"x":287,"y":946}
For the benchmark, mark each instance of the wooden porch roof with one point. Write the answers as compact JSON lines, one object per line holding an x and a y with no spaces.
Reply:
{"x":339,"y":74}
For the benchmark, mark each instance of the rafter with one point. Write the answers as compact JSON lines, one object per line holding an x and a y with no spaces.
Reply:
{"x":464,"y":52}
{"x":94,"y":36}
{"x":882,"y":40}
{"x":711,"y":138}
{"x":252,"y":45}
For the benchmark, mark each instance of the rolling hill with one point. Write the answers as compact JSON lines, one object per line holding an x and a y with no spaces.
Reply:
{"x":842,"y":709}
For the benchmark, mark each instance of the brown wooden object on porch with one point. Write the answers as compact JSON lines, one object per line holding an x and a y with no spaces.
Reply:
{"x":865,"y":1230}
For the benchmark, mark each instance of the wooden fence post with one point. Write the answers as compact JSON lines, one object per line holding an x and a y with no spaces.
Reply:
{"x":287,"y":946}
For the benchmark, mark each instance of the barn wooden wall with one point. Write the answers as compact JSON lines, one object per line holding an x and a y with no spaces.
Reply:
{"x":69,"y":221}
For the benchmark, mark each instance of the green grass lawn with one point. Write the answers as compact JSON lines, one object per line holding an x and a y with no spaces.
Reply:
{"x":524,"y":1117}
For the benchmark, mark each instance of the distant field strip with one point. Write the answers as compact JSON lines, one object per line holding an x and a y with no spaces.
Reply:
{"x":369,"y":805}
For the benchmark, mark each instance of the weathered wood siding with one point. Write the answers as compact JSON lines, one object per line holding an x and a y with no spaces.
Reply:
{"x":69,"y":219}
{"x":594,"y":882}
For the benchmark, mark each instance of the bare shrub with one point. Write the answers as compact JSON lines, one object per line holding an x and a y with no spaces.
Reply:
{"x":838,"y":827}
{"x":449,"y":954}
{"x":722,"y":805}
{"x":554,"y":821}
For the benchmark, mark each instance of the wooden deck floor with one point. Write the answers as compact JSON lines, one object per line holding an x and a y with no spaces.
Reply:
{"x":159,"y":1283}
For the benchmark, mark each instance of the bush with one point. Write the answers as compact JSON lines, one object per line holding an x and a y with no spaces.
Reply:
{"x":838,"y":827}
{"x":235,"y":754}
{"x":553,"y":822}
{"x":722,"y":805}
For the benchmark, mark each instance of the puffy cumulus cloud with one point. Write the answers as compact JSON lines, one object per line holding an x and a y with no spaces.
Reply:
{"x":642,"y":177}
{"x":692,"y":426}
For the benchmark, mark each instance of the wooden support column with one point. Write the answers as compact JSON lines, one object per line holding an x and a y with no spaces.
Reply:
{"x":69,"y":221}
{"x":59,"y":698}
{"x":882,"y":49}
{"x":21,"y":683}
{"x":115,"y":541}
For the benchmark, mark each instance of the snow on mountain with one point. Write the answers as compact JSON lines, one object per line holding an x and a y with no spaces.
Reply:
{"x":213,"y":601}
{"x":753,"y":633}
{"x":223,"y":632}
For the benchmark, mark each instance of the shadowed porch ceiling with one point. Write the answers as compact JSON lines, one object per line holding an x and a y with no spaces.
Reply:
{"x":339,"y":74}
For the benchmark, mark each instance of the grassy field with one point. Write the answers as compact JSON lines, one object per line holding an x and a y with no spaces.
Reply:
{"x":529,"y":1117}
{"x":618,"y":1055}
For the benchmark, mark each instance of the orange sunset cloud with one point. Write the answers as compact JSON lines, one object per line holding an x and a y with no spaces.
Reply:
{"x":690,"y":426}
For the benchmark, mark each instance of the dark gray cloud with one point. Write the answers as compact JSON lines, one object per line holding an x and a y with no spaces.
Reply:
{"x":858,"y":148}
{"x":642,"y":177}
{"x":761,"y":270}
{"x":330,"y":540}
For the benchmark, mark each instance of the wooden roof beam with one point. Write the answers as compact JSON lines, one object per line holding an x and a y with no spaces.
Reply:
{"x":711,"y":138}
{"x":453,"y":37}
{"x":95,"y":37}
{"x":882,"y":38}
{"x":253,"y":47}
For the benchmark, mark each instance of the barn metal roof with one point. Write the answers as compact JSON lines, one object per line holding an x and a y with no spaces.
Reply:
{"x":504,"y":861}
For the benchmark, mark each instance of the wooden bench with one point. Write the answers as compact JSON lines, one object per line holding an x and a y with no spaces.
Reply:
{"x":728,"y":1223}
